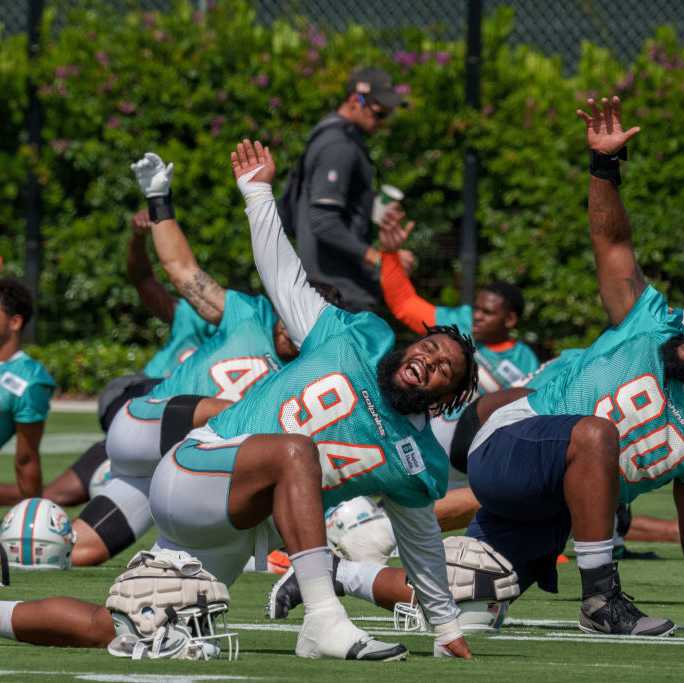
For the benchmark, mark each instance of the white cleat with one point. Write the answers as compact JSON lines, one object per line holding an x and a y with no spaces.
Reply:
{"x":328,"y":632}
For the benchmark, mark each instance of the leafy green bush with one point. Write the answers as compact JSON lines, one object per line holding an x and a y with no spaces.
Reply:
{"x":189,"y":87}
{"x":84,"y":367}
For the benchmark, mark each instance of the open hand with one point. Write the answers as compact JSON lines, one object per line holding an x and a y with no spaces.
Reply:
{"x":247,"y":157}
{"x":393,"y":235}
{"x":604,"y":127}
{"x":153,"y":176}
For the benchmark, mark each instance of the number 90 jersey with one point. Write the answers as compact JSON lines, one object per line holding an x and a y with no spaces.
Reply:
{"x":621,"y":377}
{"x":330,"y":393}
{"x":239,"y":355}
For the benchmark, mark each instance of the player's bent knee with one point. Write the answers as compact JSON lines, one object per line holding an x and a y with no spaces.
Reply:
{"x":109,"y":523}
{"x":598,"y":439}
{"x":102,"y":628}
{"x":301,"y":451}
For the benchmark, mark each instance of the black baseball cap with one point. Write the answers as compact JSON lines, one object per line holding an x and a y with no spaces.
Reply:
{"x":376,"y":84}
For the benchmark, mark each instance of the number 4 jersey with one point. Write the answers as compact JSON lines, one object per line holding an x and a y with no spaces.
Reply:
{"x":239,"y":356}
{"x":331,"y":394}
{"x":621,"y":377}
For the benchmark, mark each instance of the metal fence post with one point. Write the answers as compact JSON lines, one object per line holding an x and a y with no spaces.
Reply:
{"x":470,"y":171}
{"x":34,"y":124}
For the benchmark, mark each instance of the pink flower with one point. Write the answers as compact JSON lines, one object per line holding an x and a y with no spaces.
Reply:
{"x":407,"y":59}
{"x":306,"y":71}
{"x":126,"y":107}
{"x":221,"y":95}
{"x":316,"y":38}
{"x":442,"y":57}
{"x":275,"y":102}
{"x":66,"y":71}
{"x":262,"y":80}
{"x":626,"y":83}
{"x":198,"y":17}
{"x":160,"y":36}
{"x":402,"y":89}
{"x":60,"y":146}
{"x":113,"y":122}
{"x":216,"y":125}
{"x":45,"y":90}
{"x":488,"y":109}
{"x":312,"y":55}
{"x":102,"y":57}
{"x":425,"y":57}
{"x":149,"y":19}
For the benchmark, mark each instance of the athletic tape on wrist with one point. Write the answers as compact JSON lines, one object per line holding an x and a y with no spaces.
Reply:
{"x":607,"y":166}
{"x":160,"y":208}
{"x":254,"y":192}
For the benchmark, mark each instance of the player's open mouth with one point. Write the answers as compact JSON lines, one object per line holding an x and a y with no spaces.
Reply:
{"x":413,"y":372}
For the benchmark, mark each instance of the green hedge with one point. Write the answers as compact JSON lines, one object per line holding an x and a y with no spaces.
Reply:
{"x":189,"y":87}
{"x":85,"y":367}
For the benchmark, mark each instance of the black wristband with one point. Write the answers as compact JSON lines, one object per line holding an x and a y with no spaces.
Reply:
{"x":607,"y":166}
{"x":160,"y":208}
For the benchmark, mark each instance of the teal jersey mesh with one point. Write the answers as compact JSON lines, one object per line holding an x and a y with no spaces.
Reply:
{"x":496,"y":369}
{"x":331,"y":394}
{"x":239,"y":356}
{"x":548,"y":371}
{"x":621,"y":377}
{"x":25,"y":391}
{"x":188,"y":331}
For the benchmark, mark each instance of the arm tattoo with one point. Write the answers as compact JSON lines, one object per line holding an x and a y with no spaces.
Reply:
{"x":205,"y":295}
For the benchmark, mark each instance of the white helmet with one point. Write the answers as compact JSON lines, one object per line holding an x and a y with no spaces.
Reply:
{"x":101,"y":477}
{"x":167,"y":606}
{"x":37,"y":534}
{"x":360,"y":530}
{"x":482,"y":582}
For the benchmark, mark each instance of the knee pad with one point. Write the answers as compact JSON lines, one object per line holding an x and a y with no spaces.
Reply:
{"x":109,"y":523}
{"x":85,"y":466}
{"x":176,"y":420}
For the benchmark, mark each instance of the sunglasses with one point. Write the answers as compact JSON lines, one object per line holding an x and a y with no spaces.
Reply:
{"x":380,"y":115}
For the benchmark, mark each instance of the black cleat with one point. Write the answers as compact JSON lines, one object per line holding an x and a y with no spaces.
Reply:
{"x":4,"y":568}
{"x":285,"y":594}
{"x":622,"y":552}
{"x":606,"y":610}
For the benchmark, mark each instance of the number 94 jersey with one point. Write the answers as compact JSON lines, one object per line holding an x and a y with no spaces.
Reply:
{"x":228,"y":365}
{"x":621,"y":377}
{"x":331,"y":394}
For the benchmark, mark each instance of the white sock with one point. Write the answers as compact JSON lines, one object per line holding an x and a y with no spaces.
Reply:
{"x":592,"y":554}
{"x":357,"y":578}
{"x":6,"y":609}
{"x":313,"y":569}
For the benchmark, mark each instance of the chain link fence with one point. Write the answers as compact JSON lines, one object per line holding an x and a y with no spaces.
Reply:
{"x":554,"y":26}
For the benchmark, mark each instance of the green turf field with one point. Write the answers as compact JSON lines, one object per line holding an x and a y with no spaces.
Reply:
{"x":541,"y":645}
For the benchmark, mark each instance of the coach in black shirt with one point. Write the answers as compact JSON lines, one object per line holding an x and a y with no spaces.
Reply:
{"x":333,"y":211}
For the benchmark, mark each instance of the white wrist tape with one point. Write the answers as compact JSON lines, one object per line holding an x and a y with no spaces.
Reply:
{"x":445,"y":634}
{"x":254,"y":192}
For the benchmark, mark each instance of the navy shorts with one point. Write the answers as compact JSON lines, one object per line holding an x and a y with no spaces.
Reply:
{"x":517,"y":476}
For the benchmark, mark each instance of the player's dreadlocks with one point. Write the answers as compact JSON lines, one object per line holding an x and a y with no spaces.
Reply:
{"x":468,"y":384}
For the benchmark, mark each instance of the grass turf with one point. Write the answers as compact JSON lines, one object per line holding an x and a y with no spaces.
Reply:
{"x":530,"y":651}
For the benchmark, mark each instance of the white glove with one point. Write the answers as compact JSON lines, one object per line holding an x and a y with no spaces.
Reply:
{"x":152,"y":175}
{"x":445,"y":634}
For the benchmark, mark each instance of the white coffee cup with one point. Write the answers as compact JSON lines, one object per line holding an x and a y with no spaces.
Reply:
{"x":387,"y":195}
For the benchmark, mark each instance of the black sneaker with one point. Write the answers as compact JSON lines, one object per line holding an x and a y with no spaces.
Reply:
{"x":607,"y":610}
{"x":4,"y":568}
{"x":285,"y":594}
{"x":622,"y":552}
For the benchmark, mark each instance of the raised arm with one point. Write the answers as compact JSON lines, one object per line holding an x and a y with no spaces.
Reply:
{"x":282,"y":274}
{"x":173,"y":250}
{"x":620,"y":279}
{"x":151,"y":292}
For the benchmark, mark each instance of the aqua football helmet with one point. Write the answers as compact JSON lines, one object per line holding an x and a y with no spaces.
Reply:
{"x":36,"y":534}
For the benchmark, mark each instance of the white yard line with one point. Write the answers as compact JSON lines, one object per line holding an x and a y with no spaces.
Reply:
{"x":131,"y":678}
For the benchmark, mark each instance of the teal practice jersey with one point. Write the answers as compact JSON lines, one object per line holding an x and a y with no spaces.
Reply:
{"x":331,"y":394}
{"x":229,"y":364}
{"x":188,"y":331}
{"x":498,"y":368}
{"x":548,"y":371}
{"x":25,"y":391}
{"x":621,"y":377}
